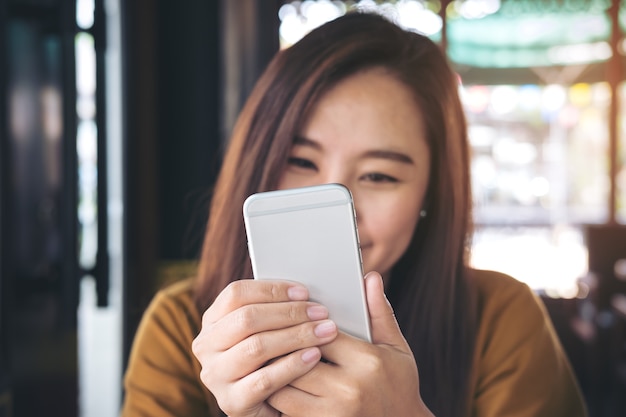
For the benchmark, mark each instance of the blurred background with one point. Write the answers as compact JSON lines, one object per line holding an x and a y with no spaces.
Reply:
{"x":113,"y":116}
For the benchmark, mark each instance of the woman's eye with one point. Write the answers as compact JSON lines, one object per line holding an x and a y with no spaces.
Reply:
{"x":378,"y":177}
{"x":301,"y":163}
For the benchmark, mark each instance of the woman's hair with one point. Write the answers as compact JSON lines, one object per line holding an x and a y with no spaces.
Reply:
{"x":430,"y":288}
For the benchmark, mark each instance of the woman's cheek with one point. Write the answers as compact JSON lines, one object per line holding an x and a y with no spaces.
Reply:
{"x":401,"y":219}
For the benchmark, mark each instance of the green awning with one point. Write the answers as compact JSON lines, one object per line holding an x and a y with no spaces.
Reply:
{"x":533,"y":41}
{"x":501,"y":41}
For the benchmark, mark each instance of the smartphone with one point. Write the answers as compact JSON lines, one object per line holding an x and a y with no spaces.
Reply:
{"x":309,"y":235}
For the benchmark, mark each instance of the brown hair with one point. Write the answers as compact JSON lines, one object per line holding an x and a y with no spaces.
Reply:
{"x":430,"y":290}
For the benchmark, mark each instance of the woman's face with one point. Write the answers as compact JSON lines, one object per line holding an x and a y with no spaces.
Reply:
{"x":368,"y":134}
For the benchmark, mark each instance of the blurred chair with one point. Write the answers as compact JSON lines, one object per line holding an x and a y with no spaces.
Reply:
{"x":607,"y":261}
{"x":618,"y":354}
{"x":600,"y":322}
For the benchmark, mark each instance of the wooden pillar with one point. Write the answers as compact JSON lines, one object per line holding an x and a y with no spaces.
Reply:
{"x":614,"y":76}
{"x":444,"y":27}
{"x":249,"y":41}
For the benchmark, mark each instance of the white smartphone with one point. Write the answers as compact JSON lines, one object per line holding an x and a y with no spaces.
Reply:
{"x":309,"y":235}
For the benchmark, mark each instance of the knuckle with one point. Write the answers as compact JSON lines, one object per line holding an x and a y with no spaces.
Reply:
{"x":373,"y":364}
{"x":210,"y":315}
{"x":261,"y":384}
{"x":205,"y":377}
{"x":293,"y":313}
{"x":304,"y":333}
{"x":254,"y":347}
{"x":203,"y":341}
{"x":234,"y":291}
{"x":274,"y":292}
{"x":223,"y":394}
{"x":227,"y":405}
{"x":206,"y":316}
{"x":196,"y":346}
{"x":246,"y":317}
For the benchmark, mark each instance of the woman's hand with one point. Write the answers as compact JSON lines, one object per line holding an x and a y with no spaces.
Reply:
{"x":257,"y":337}
{"x":361,"y":379}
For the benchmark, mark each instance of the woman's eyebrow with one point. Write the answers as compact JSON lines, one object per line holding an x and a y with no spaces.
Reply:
{"x":301,"y":140}
{"x":373,"y":153}
{"x":389,"y":154}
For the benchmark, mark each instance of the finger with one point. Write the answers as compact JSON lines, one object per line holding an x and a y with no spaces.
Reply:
{"x":251,"y":319}
{"x":385,"y":329}
{"x":290,"y":401}
{"x":250,"y":291}
{"x":264,"y":382}
{"x":258,"y":349}
{"x":318,"y":380}
{"x":347,"y":349}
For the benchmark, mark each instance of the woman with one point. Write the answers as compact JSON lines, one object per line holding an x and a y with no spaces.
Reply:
{"x":361,"y":102}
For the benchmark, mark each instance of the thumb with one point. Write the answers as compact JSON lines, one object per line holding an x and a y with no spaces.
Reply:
{"x":385,"y":329}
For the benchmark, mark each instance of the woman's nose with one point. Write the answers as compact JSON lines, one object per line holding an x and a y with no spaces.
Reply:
{"x":341,"y":176}
{"x":338,"y":176}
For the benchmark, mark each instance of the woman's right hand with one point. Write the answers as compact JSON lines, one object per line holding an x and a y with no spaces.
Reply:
{"x":257,"y":337}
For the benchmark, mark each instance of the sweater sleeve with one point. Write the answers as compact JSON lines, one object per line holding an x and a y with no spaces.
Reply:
{"x":162,"y":377}
{"x":523,"y":370}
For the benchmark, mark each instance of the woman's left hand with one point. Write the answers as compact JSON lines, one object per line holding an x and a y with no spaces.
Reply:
{"x":360,"y":379}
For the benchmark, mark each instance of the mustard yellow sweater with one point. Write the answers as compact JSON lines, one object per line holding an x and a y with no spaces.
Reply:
{"x":519,"y":368}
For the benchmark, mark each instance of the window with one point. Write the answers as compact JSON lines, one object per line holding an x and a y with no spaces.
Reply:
{"x":539,"y":134}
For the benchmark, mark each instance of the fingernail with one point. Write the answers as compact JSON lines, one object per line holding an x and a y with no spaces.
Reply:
{"x":297,"y":293}
{"x":317,"y":312}
{"x":325,"y":329}
{"x":311,"y":355}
